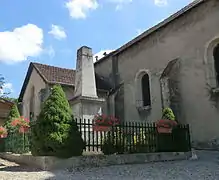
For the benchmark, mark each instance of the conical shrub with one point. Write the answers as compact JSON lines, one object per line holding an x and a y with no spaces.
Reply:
{"x":55,"y":132}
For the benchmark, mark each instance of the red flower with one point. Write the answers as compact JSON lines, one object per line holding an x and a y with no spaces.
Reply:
{"x":166,"y":123}
{"x":3,"y":132}
{"x":15,"y":122}
{"x":22,"y":123}
{"x":26,"y":120}
{"x":105,"y":120}
{"x":23,"y":129}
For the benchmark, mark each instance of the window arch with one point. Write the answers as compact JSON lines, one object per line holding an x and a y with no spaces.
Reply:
{"x":143,"y":89}
{"x":211,"y":60}
{"x":145,"y":86}
{"x":32,"y":103}
{"x":216,"y":62}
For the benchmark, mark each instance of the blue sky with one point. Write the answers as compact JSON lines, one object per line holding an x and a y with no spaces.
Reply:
{"x":51,"y":31}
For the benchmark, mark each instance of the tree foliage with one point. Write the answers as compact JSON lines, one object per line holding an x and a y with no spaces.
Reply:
{"x":55,"y":132}
{"x":2,"y":83}
{"x":14,"y":100}
{"x":15,"y":140}
{"x":168,"y":114}
{"x":14,"y":113}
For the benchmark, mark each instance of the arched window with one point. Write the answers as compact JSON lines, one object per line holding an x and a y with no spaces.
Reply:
{"x":145,"y":85}
{"x":216,"y":62}
{"x":211,"y":60}
{"x":32,"y":103}
{"x":143,"y":90}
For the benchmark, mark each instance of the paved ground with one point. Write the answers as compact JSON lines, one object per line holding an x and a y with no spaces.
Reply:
{"x":206,"y":168}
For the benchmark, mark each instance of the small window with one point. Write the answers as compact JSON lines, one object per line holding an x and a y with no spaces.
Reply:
{"x":32,"y":103}
{"x":216,"y":62}
{"x":146,"y":96}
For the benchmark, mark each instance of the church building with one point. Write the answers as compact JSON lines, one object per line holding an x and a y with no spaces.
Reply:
{"x":173,"y":64}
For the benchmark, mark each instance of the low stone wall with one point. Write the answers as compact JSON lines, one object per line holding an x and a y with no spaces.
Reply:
{"x":207,"y":145}
{"x":51,"y":163}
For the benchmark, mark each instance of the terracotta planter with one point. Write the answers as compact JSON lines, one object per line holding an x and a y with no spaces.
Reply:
{"x":165,"y":125}
{"x":101,"y":128}
{"x":164,"y":130}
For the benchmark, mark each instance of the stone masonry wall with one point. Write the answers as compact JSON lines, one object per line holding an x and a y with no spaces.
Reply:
{"x":185,"y":38}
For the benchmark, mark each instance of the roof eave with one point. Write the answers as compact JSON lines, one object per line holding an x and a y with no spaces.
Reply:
{"x":104,"y":58}
{"x":26,"y":80}
{"x":64,"y":84}
{"x":165,"y":22}
{"x":6,"y":101}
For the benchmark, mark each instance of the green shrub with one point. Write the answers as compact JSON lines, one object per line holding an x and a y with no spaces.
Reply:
{"x":114,"y":142}
{"x":117,"y":141}
{"x":55,"y":132}
{"x":168,"y":114}
{"x":14,"y":113}
{"x":14,"y":141}
{"x":145,"y":141}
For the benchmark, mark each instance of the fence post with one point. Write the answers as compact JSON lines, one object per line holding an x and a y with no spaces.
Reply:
{"x":96,"y":138}
{"x":188,"y":138}
{"x":126,"y":144}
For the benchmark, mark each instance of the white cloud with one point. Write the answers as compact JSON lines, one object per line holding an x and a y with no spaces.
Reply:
{"x":58,"y":32}
{"x":21,"y":43}
{"x":100,"y":54}
{"x":79,"y":8}
{"x":50,"y":52}
{"x":7,"y":88}
{"x":120,"y":3}
{"x":160,"y":2}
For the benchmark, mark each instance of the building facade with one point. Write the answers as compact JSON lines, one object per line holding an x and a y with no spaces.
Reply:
{"x":174,"y":64}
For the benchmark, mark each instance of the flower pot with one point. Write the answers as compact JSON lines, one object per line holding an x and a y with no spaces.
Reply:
{"x":165,"y":125}
{"x":164,"y":130}
{"x":101,"y":128}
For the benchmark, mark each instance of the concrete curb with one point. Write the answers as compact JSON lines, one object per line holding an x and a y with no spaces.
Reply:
{"x":52,"y":163}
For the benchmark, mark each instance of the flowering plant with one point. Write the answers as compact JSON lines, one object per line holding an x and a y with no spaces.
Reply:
{"x":168,"y":114}
{"x":22,"y":123}
{"x":103,"y":120}
{"x":104,"y":123}
{"x":166,"y":123}
{"x":3,"y":132}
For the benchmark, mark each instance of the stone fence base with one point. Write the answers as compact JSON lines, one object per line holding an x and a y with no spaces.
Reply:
{"x":52,"y":163}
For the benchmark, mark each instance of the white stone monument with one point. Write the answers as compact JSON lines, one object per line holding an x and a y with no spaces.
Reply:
{"x":85,"y":103}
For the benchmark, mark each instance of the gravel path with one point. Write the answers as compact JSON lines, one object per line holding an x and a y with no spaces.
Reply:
{"x":206,"y":168}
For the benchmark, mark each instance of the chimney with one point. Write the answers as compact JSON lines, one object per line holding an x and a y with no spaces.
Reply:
{"x":104,"y":53}
{"x":96,"y":57}
{"x":85,"y":83}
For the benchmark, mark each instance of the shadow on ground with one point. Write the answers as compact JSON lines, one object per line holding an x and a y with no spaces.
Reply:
{"x":18,"y":168}
{"x":206,"y":167}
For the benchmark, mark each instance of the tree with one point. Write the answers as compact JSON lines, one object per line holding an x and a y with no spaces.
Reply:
{"x":14,"y":100}
{"x":55,"y":132}
{"x":14,"y":113}
{"x":2,"y":83}
{"x":15,"y":140}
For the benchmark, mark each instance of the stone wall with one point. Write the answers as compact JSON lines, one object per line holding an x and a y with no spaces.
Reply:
{"x":187,"y":38}
{"x":32,"y":92}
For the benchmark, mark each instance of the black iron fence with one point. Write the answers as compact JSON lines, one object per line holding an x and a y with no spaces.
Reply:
{"x":129,"y":137}
{"x":16,"y":142}
{"x":134,"y":137}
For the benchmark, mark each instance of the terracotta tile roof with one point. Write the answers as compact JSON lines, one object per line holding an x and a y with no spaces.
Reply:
{"x":57,"y":75}
{"x":52,"y":74}
{"x":7,"y":102}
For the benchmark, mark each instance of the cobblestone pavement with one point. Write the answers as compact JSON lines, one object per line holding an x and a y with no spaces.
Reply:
{"x":205,"y":168}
